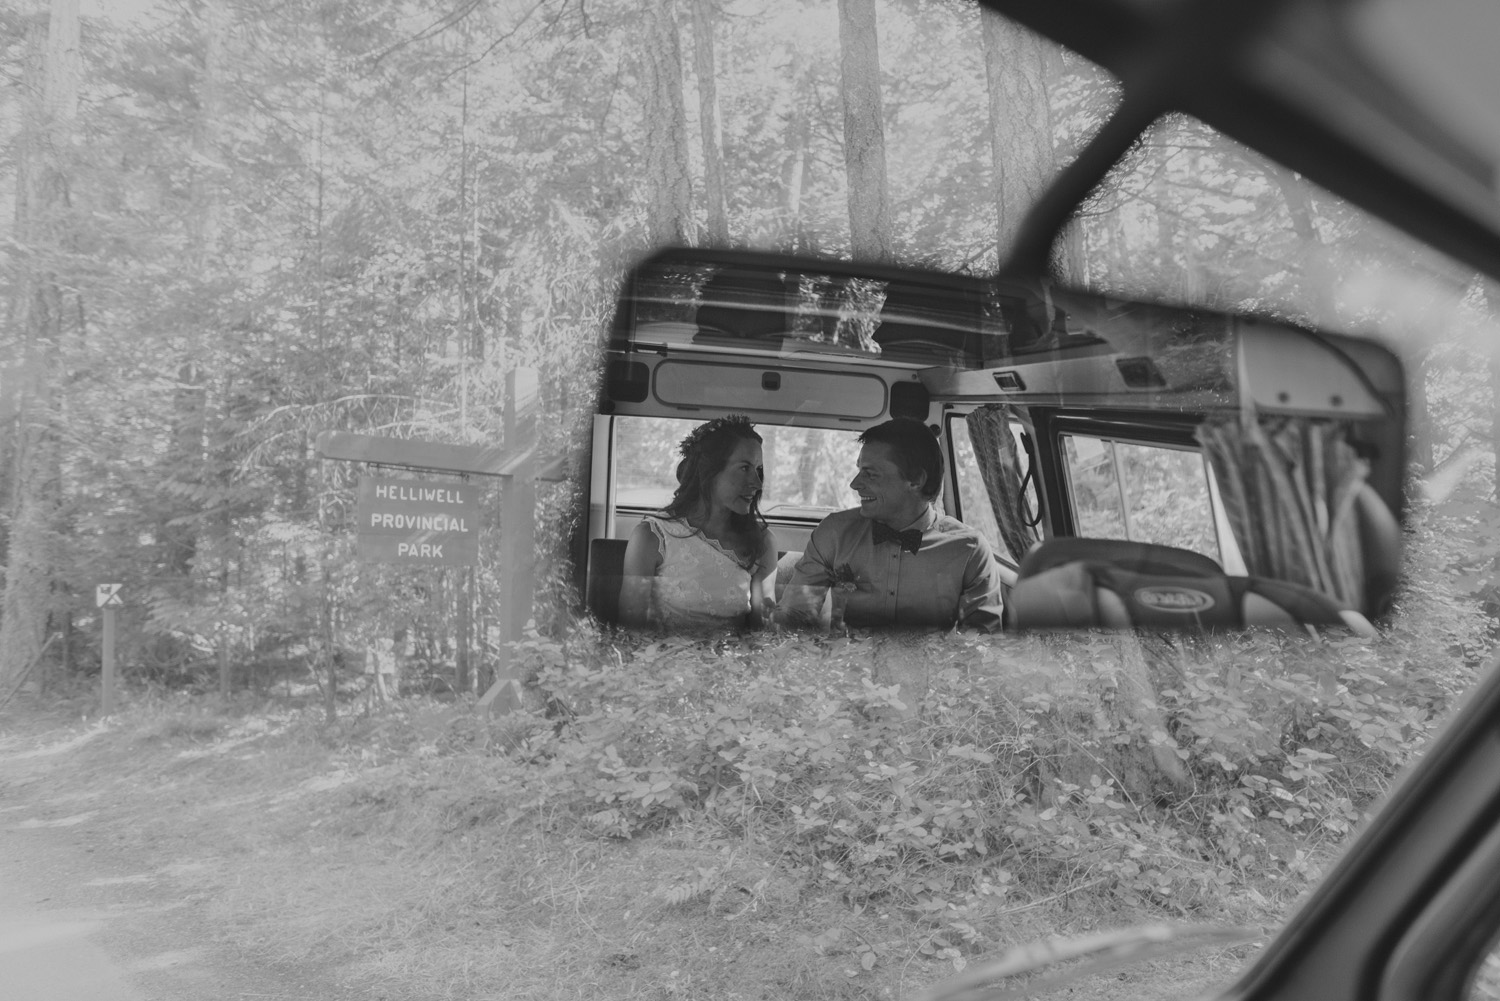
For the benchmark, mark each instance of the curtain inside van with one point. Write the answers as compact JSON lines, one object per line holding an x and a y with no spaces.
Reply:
{"x":1000,"y":467}
{"x":1289,"y":487}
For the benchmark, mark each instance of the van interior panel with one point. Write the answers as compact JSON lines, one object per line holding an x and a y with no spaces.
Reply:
{"x":758,"y":389}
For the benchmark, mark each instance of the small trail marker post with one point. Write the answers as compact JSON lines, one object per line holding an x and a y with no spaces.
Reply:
{"x":107,"y":597}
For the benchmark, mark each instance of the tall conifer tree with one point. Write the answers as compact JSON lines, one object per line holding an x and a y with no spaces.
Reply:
{"x":44,"y":313}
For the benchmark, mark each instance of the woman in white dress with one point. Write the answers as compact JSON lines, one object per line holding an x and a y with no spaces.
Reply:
{"x":704,"y":561}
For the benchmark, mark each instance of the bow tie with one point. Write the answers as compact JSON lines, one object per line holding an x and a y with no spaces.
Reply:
{"x":909,"y":540}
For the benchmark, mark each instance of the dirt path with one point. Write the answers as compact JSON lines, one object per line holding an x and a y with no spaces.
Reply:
{"x":183,"y":852}
{"x":52,"y":953}
{"x":91,"y":910}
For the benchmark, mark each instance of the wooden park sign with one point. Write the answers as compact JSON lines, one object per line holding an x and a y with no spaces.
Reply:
{"x":401,"y":516}
{"x":417,"y":522}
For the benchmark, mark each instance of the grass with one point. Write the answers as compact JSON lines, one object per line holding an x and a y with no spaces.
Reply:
{"x":416,"y":850}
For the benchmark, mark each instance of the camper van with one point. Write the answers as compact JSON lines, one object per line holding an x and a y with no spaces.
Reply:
{"x":1129,"y":463}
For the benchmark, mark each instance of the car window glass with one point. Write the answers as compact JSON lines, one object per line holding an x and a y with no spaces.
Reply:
{"x":1193,"y":217}
{"x":1144,"y":493}
{"x":807,"y":470}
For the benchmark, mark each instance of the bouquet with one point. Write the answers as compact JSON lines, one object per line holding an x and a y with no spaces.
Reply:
{"x":842,"y":582}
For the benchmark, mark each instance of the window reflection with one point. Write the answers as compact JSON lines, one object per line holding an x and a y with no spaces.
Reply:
{"x":1143,"y":493}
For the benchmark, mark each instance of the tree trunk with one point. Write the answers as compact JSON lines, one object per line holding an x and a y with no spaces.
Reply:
{"x":42,"y":225}
{"x":206,"y":128}
{"x":178,"y":537}
{"x":1419,"y":416}
{"x":708,"y":121}
{"x":484,"y":671}
{"x":794,"y":167}
{"x":1073,"y":254}
{"x":219,"y":540}
{"x":1313,"y":284}
{"x":1021,"y":149}
{"x":669,"y":212}
{"x":864,"y":131}
{"x":224,"y":667}
{"x":329,"y":647}
{"x":463,"y":581}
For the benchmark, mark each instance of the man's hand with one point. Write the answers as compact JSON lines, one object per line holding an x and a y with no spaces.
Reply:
{"x":804,"y":606}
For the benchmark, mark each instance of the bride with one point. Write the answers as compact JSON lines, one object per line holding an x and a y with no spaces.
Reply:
{"x":704,"y":561}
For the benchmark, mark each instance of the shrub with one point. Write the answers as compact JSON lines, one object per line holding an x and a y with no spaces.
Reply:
{"x":1000,"y":771}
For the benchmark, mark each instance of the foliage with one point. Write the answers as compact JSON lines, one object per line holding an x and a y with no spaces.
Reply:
{"x":361,"y":216}
{"x":302,"y":217}
{"x":870,"y":806}
{"x":1013,"y":770}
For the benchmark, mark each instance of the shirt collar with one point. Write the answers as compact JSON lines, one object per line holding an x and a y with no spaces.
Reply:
{"x":924,"y":521}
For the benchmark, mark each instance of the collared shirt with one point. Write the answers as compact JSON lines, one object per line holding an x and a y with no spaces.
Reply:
{"x":951,"y":580}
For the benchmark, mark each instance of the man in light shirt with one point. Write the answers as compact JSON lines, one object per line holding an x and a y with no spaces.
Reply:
{"x":900,"y":562}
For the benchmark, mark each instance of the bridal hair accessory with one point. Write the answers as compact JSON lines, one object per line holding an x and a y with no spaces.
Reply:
{"x":695,"y":439}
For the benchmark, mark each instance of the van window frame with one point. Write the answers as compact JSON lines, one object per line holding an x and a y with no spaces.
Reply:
{"x":1158,"y":430}
{"x":954,"y":497}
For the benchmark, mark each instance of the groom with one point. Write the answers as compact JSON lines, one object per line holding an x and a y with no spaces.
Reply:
{"x":903,"y":563}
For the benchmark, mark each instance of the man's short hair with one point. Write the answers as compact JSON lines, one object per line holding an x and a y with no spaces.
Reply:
{"x":914,"y":448}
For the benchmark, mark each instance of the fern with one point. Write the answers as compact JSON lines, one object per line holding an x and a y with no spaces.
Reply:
{"x":683,"y":892}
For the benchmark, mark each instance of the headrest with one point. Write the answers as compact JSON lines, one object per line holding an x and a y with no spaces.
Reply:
{"x":1139,"y":557}
{"x":1107,"y":583}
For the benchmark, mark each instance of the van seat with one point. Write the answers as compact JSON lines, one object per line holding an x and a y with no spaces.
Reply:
{"x":1081,"y":583}
{"x":606,"y":569}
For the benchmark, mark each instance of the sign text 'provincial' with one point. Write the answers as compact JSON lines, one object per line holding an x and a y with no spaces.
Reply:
{"x":417,"y":522}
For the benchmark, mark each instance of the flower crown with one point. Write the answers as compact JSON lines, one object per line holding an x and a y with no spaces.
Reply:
{"x":699,"y":434}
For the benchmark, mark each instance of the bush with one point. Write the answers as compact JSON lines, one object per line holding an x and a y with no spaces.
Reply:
{"x":1000,"y":771}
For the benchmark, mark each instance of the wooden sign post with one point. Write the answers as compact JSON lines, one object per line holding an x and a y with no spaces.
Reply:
{"x":517,"y":538}
{"x":515,"y":462}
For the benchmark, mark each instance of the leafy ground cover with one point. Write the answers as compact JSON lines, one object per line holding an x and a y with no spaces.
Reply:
{"x":761,"y":817}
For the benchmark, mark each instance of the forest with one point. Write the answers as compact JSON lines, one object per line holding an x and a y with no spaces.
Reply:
{"x":229,"y":226}
{"x":232,"y":226}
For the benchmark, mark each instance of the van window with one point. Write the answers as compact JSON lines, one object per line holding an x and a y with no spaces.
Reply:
{"x":807,"y":469}
{"x":1144,"y":493}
